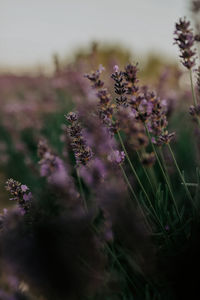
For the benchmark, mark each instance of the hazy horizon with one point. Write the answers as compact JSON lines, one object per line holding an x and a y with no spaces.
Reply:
{"x":32,"y":31}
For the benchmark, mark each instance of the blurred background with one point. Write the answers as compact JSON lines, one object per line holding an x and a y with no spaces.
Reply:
{"x":47,"y":46}
{"x":32,"y":31}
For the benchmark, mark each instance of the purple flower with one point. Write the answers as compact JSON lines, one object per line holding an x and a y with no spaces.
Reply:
{"x":119,"y":86}
{"x":185,"y":39}
{"x":54,"y":168}
{"x":117,"y":157}
{"x":19,"y":193}
{"x":27,"y":197}
{"x":24,"y":188}
{"x":82,"y":151}
{"x":116,"y":68}
{"x":94,"y":173}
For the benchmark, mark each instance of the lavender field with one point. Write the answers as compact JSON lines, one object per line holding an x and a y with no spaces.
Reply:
{"x":100,"y":174}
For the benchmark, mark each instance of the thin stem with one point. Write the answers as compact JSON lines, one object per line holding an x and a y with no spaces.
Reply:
{"x":192,"y":87}
{"x":81,"y":190}
{"x":132,"y":167}
{"x":115,"y":257}
{"x":128,"y":183}
{"x":146,"y":173}
{"x":153,"y":176}
{"x":138,"y":179}
{"x":180,"y":174}
{"x":164,"y":165}
{"x":132,"y":191}
{"x":163,"y":172}
{"x":120,"y":265}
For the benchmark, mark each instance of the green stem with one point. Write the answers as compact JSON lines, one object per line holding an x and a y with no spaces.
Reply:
{"x":153,"y":176}
{"x":180,"y":174}
{"x":81,"y":190}
{"x":145,"y":171}
{"x":192,"y":87}
{"x":128,"y":183}
{"x":134,"y":195}
{"x":132,"y":167}
{"x":164,"y":175}
{"x":139,"y":181}
{"x":164,"y":165}
{"x":115,"y":257}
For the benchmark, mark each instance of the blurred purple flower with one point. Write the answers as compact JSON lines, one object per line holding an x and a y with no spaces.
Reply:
{"x":117,"y":157}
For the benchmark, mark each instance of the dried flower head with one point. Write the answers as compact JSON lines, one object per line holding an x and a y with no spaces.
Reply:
{"x":119,"y":86}
{"x":133,"y":128}
{"x":105,"y":106}
{"x":116,"y":157}
{"x":94,"y":77}
{"x":82,"y":151}
{"x":56,"y":171}
{"x":20,"y":193}
{"x":130,"y":75}
{"x":185,"y":39}
{"x":163,"y":138}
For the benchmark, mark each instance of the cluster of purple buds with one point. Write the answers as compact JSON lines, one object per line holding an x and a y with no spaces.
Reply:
{"x":157,"y":121}
{"x":20,"y":193}
{"x":94,"y":173}
{"x":105,"y":106}
{"x":133,"y":128}
{"x":82,"y":151}
{"x":138,"y":138}
{"x":126,"y":84}
{"x":163,"y":138}
{"x":185,"y":39}
{"x":146,"y":108}
{"x":56,"y":171}
{"x":143,"y":104}
{"x":195,"y":111}
{"x":116,"y":157}
{"x":49,"y":162}
{"x":119,"y":86}
{"x":94,"y":77}
{"x":130,"y":75}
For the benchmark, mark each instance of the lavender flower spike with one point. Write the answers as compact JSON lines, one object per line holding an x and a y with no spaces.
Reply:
{"x":120,"y":89}
{"x":185,"y":39}
{"x":82,"y":151}
{"x":117,"y":157}
{"x":20,"y":193}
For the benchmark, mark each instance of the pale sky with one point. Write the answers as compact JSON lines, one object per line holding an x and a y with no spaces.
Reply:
{"x":32,"y":30}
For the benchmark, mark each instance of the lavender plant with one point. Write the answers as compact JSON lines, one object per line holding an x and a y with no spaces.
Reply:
{"x":111,"y":214}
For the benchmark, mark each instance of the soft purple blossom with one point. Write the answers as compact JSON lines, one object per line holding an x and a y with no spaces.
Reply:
{"x":185,"y":39}
{"x":24,"y":188}
{"x":27,"y":197}
{"x":19,"y":194}
{"x":117,"y":157}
